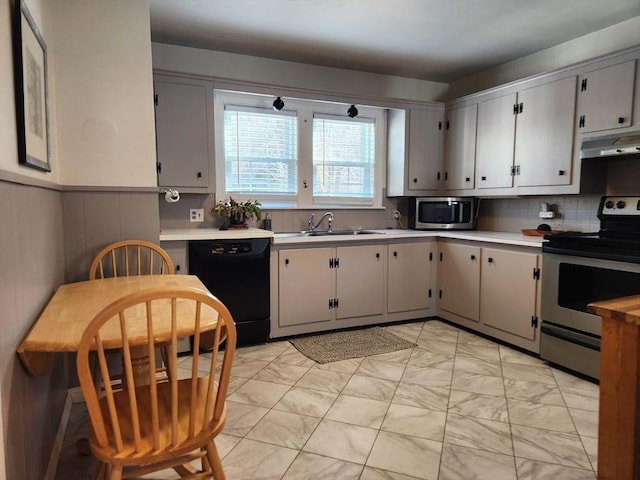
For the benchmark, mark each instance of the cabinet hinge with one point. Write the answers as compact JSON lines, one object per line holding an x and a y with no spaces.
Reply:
{"x":431,"y":256}
{"x":429,"y":293}
{"x":512,"y":170}
{"x":581,"y":122}
{"x":520,"y":107}
{"x":515,"y":108}
{"x":517,"y":169}
{"x":583,"y":85}
{"x":536,"y":273}
{"x":534,"y":321}
{"x":155,"y":99}
{"x":159,"y":167}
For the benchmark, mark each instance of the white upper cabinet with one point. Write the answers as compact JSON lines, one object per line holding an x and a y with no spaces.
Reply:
{"x":184,"y":133}
{"x":414,"y":164}
{"x":460,"y":147}
{"x":526,"y":138}
{"x":495,"y":142}
{"x":544,"y":133}
{"x":606,"y":98}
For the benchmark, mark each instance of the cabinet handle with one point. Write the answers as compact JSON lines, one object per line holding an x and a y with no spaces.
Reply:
{"x":446,"y":175}
{"x":561,"y":172}
{"x":377,"y":255}
{"x":490,"y":260}
{"x":438,"y":176}
{"x":473,"y":257}
{"x":620,"y":119}
{"x":483,"y":178}
{"x":199,"y":175}
{"x":467,"y":179}
{"x":395,"y":254}
{"x":286,"y":261}
{"x":415,"y":180}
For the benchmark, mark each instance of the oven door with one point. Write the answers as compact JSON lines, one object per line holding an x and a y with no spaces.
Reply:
{"x":570,"y":336}
{"x":570,"y":283}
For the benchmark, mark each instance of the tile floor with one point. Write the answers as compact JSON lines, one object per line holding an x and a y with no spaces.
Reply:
{"x":456,"y":407}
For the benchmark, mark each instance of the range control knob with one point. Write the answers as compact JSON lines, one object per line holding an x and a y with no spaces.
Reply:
{"x":608,"y":204}
{"x":620,"y":204}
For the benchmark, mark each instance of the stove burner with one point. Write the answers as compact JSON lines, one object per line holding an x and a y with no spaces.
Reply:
{"x":618,"y":238}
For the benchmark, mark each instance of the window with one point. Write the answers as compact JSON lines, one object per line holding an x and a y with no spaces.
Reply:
{"x":260,"y":152}
{"x":343,"y":158}
{"x":309,"y":154}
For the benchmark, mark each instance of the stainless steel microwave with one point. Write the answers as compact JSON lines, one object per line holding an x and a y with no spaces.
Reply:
{"x":442,"y":213}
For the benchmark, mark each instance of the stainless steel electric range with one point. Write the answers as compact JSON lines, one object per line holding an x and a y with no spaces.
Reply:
{"x":581,"y":268}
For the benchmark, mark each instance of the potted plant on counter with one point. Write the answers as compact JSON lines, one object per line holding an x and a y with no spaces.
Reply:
{"x":237,"y":213}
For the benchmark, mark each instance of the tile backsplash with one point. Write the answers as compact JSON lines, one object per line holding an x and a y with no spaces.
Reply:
{"x":572,"y":213}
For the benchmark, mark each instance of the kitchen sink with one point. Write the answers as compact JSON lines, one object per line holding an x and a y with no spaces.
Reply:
{"x":323,"y":233}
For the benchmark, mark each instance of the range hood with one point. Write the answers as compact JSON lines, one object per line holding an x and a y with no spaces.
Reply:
{"x":611,"y":145}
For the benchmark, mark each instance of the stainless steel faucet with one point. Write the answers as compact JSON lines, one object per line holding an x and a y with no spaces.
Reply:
{"x":313,"y":227}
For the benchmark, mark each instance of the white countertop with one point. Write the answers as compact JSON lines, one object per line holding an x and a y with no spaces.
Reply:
{"x":282,"y":239}
{"x":169,"y":234}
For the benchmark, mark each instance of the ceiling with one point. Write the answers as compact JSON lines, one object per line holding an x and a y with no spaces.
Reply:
{"x":437,"y":40}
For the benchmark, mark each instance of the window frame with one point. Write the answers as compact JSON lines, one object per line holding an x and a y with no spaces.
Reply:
{"x":304,"y":110}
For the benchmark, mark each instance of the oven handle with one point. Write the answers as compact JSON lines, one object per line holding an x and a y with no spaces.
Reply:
{"x":571,"y":336}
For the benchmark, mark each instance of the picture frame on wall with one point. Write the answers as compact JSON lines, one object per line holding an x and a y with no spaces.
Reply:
{"x":32,"y":106}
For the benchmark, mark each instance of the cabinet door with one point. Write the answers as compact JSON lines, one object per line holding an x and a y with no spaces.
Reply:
{"x":606,"y":98}
{"x":544,"y":134}
{"x":425,"y":149}
{"x":305,"y":286}
{"x":182,"y":132}
{"x":508,"y":293}
{"x":459,"y":280}
{"x":495,"y":143}
{"x":360,"y":281}
{"x":460,"y":147}
{"x":409,"y":276}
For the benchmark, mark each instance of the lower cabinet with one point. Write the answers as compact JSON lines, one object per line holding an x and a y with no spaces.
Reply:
{"x":409,"y":277}
{"x":459,"y":280}
{"x":331,"y":287}
{"x":508,"y":290}
{"x":494,"y":291}
{"x":330,"y":284}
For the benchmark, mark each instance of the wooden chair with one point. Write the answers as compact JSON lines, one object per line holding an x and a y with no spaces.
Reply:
{"x":157,"y":423}
{"x":133,"y":257}
{"x":130,"y":257}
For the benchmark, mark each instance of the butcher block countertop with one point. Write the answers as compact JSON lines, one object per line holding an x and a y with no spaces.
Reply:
{"x":626,"y":309}
{"x":619,"y":417}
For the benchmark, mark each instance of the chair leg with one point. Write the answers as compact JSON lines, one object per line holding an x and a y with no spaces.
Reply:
{"x":214,"y":461}
{"x":116,"y":472}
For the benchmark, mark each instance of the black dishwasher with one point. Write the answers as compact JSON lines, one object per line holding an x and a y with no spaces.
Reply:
{"x":237,"y":272}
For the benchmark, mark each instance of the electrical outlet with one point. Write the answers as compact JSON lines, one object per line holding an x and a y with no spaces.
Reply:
{"x":196,"y":214}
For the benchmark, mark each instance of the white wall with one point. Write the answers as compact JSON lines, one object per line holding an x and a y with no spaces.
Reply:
{"x":8,"y":131}
{"x":104,"y":93}
{"x":246,"y":68}
{"x":609,"y":40}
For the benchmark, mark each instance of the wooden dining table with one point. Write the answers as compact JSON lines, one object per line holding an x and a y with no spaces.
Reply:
{"x":62,"y":322}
